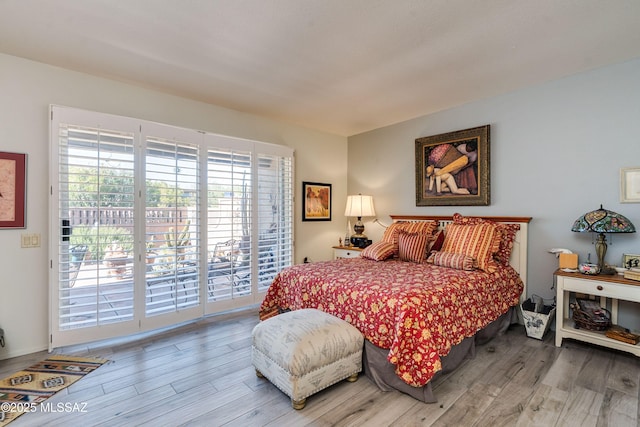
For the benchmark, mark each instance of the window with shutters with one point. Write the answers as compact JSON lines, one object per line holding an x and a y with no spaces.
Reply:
{"x":275,"y":208}
{"x":230,"y":196}
{"x":172,"y":249}
{"x":96,"y":196}
{"x":156,"y":225}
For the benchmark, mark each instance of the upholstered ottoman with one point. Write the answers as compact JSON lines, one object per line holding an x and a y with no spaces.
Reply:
{"x":304,"y":351}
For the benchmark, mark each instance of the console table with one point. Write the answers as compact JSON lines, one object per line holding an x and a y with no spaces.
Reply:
{"x":603,"y":287}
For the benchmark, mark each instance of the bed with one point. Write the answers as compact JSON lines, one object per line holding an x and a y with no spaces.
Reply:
{"x":423,"y":296}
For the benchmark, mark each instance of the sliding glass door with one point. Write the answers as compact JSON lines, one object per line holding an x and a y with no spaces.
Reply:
{"x":93,"y":223}
{"x":130,"y":250}
{"x":249,"y":220}
{"x":171,"y":206}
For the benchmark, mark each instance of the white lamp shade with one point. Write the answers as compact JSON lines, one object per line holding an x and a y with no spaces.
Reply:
{"x":359,"y":206}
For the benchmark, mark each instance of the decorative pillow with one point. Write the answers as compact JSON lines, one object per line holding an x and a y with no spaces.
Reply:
{"x":507,"y":235}
{"x":478,"y":241}
{"x":391,"y":233}
{"x":447,"y":259}
{"x":411,"y":246}
{"x":469,"y":220}
{"x":435,"y":242}
{"x":378,"y":251}
{"x":506,"y":242}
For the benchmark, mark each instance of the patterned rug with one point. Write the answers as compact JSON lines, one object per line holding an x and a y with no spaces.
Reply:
{"x":24,"y":391}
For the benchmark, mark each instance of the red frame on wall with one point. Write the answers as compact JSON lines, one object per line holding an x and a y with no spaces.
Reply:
{"x":13,"y":176}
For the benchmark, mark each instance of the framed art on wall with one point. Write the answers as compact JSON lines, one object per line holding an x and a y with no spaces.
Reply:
{"x":452,"y":169}
{"x":13,"y":168}
{"x":630,"y":185}
{"x":316,"y":205}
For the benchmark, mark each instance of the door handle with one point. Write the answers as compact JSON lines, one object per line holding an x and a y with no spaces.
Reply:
{"x":66,"y":230}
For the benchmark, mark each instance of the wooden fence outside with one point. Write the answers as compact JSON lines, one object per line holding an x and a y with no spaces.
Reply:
{"x":124,"y":217}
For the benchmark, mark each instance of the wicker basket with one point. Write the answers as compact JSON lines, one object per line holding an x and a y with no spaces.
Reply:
{"x":587,"y":320}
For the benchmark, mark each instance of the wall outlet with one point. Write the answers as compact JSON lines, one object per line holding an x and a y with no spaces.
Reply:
{"x":1,"y":337}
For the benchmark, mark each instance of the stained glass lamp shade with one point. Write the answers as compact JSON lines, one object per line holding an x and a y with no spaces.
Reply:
{"x":603,"y":221}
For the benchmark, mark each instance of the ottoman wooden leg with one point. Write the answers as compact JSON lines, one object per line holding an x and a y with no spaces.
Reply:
{"x":298,"y":404}
{"x":259,"y":374}
{"x":353,"y":378}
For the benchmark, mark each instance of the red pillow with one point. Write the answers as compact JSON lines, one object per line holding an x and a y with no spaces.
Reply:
{"x":391,"y":233}
{"x":507,"y":235}
{"x":379,"y":251}
{"x":412,"y":246}
{"x":506,"y":243}
{"x":447,"y":259}
{"x":435,"y":242}
{"x":479,"y":241}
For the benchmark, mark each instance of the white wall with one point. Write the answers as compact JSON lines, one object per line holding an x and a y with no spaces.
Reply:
{"x":556,"y":153}
{"x":28,"y":88}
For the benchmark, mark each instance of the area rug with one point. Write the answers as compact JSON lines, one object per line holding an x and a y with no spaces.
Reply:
{"x":24,"y":391}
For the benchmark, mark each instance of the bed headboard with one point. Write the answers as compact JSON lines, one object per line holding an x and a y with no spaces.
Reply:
{"x":518,"y":258}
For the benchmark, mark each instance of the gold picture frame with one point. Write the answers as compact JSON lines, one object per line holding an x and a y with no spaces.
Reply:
{"x":452,"y":169}
{"x":630,"y":185}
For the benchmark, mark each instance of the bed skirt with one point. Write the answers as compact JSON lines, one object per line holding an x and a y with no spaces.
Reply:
{"x":381,"y":372}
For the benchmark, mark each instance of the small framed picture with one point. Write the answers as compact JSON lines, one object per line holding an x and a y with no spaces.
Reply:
{"x":631,"y":261}
{"x":13,"y":175}
{"x":630,"y":185}
{"x":316,"y":201}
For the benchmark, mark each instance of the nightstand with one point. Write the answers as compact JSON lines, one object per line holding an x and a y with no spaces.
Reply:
{"x":346,"y":252}
{"x":604,"y":287}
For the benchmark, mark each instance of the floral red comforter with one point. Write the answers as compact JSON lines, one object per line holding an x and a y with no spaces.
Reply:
{"x":417,"y":311}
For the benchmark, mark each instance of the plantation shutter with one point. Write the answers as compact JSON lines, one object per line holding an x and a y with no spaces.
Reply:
{"x":92,"y":227}
{"x":153,"y":225}
{"x":230,"y":191}
{"x":250,"y":218}
{"x":275,"y":216}
{"x":172,"y":230}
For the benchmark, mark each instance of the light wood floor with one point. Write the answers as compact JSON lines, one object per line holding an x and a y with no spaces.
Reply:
{"x":201,"y":374}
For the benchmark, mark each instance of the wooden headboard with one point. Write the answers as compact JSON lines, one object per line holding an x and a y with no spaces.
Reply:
{"x":518,"y":258}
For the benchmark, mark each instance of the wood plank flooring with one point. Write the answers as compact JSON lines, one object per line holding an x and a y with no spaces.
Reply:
{"x":201,"y":375}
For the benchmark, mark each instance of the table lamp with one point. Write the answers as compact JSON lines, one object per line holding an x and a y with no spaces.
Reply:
{"x":603,"y":221}
{"x":359,"y":206}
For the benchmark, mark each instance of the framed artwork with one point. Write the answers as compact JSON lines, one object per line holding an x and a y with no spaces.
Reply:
{"x":631,"y":261}
{"x":316,"y":201}
{"x":630,"y":185}
{"x":452,"y":169}
{"x":13,"y":174}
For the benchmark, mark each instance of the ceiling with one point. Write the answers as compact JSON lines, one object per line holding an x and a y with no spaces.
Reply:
{"x":341,"y":66}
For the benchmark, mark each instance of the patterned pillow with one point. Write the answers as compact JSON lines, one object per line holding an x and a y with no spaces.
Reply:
{"x":506,"y":242}
{"x":507,"y":235}
{"x":391,"y":233}
{"x":457,"y":261}
{"x":479,"y":241}
{"x":412,"y":246}
{"x":378,"y":251}
{"x":468,"y":220}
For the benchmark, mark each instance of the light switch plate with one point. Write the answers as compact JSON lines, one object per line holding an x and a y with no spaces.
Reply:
{"x":30,"y":240}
